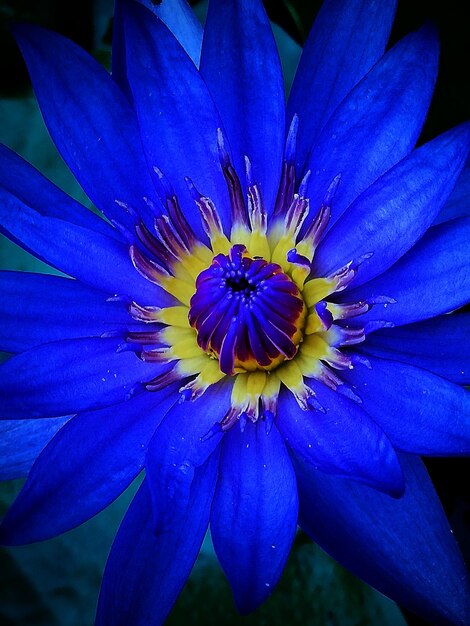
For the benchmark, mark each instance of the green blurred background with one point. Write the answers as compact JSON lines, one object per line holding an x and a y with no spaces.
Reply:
{"x":56,"y":583}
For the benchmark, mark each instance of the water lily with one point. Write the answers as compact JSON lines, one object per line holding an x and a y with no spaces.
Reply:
{"x":260,"y":326}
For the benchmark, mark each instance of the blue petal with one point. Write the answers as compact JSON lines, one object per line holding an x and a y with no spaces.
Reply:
{"x":439,"y":345}
{"x":458,"y":204}
{"x":178,"y":17}
{"x":39,"y":308}
{"x":395,"y":211}
{"x":377,"y":124}
{"x":342,"y":441}
{"x":95,"y":259}
{"x":90,"y":121}
{"x":404,"y":548}
{"x":176,"y":114}
{"x":23,"y":181}
{"x":346,"y":40}
{"x":254,"y":513}
{"x":182,"y":443}
{"x":418,"y":411}
{"x":21,"y":441}
{"x":70,"y":376}
{"x":431,"y":279}
{"x":146,"y":570}
{"x":88,"y":464}
{"x":240,"y":64}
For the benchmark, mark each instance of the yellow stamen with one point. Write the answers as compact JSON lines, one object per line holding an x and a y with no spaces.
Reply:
{"x":314,"y":324}
{"x":174,"y":316}
{"x":180,"y":289}
{"x":316,"y":289}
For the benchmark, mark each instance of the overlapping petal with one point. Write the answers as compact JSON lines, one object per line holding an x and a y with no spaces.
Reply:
{"x":377,"y":124}
{"x":404,"y":547}
{"x":182,"y":443}
{"x":431,"y":279}
{"x":146,"y":570}
{"x":458,"y":205}
{"x":424,"y":413}
{"x":70,"y":376}
{"x":342,"y":441}
{"x":240,"y":64}
{"x":175,"y":111}
{"x":437,"y":345}
{"x":97,"y":260}
{"x":91,"y":123}
{"x":91,"y":460}
{"x":394,"y":212}
{"x":254,"y":513}
{"x":179,"y":18}
{"x":25,"y":182}
{"x":39,"y":308}
{"x":347,"y":38}
{"x":21,"y":441}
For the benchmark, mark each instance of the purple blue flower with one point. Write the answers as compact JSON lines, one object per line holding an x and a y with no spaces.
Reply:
{"x":260,"y":326}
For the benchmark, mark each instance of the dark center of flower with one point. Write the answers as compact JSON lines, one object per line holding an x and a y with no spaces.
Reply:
{"x":247,"y":312}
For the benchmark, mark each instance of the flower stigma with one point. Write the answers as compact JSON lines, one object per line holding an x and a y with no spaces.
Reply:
{"x":247,"y":312}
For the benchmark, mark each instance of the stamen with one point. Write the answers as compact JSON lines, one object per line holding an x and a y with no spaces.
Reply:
{"x":284,"y":236}
{"x":344,"y":311}
{"x":286,"y":189}
{"x":180,"y":223}
{"x":170,"y":237}
{"x":144,"y":338}
{"x":147,"y":268}
{"x":237,"y":203}
{"x":163,"y":380}
{"x":159,"y":251}
{"x":209,"y":375}
{"x":258,"y":244}
{"x":210,"y":220}
{"x":321,"y":308}
{"x":147,"y":314}
{"x":342,"y":336}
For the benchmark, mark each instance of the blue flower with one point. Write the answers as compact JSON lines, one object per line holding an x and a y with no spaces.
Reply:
{"x":261,"y":322}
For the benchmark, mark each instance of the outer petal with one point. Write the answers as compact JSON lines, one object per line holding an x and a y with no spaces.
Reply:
{"x":431,"y":279}
{"x":343,"y":441}
{"x":90,"y":121}
{"x":176,"y":14}
{"x":439,"y":345}
{"x":395,"y":211}
{"x":39,"y":308}
{"x":176,"y":114}
{"x":21,"y":441}
{"x":254,"y":513}
{"x":377,"y":124}
{"x":347,"y":38}
{"x":25,"y":182}
{"x":183,"y":443}
{"x":90,"y":461}
{"x":402,"y":547}
{"x":146,"y":570}
{"x":95,"y":259}
{"x":70,"y":376}
{"x":240,"y":64}
{"x":419,"y":411}
{"x":458,"y":205}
